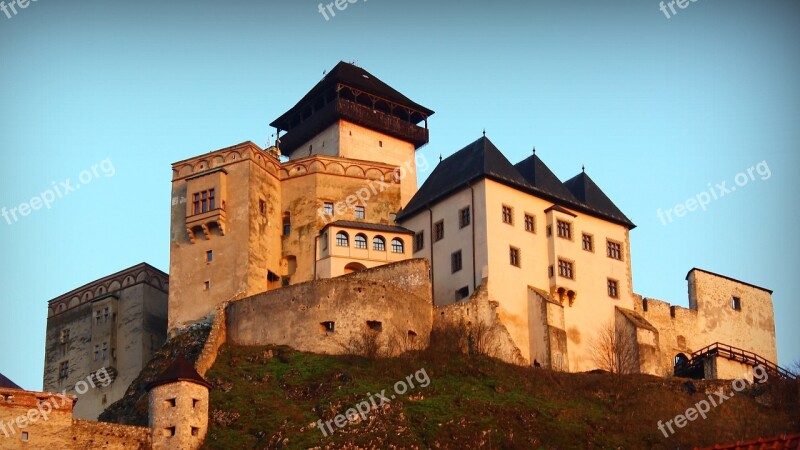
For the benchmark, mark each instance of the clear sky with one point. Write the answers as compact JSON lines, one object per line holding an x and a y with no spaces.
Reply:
{"x":656,"y":109}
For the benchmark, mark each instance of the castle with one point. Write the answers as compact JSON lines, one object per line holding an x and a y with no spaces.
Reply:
{"x":326,"y":236}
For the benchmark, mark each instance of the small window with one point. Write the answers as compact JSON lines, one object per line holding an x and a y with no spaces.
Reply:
{"x":565,"y":269}
{"x":328,"y":207}
{"x":360,"y":212}
{"x":327,"y":327}
{"x":462,"y":293}
{"x":171,"y":403}
{"x":455,"y":261}
{"x":287,"y":223}
{"x":464,"y":217}
{"x":564,"y":229}
{"x":588,"y":242}
{"x":374,"y":325}
{"x":105,"y":351}
{"x":379,"y":244}
{"x":63,"y":370}
{"x":98,"y":317}
{"x":529,"y":224}
{"x":195,"y":402}
{"x":169,"y":432}
{"x":342,"y":239}
{"x":65,"y":335}
{"x":25,"y":436}
{"x":207,"y":285}
{"x":380,"y":144}
{"x":397,"y":246}
{"x":613,"y":288}
{"x":105,"y":314}
{"x":438,"y":231}
{"x":614,"y":250}
{"x":508,"y":215}
{"x":419,"y":241}
{"x":195,"y":431}
{"x":550,"y":271}
{"x":549,"y":230}
{"x":209,"y":256}
{"x":361,"y":241}
{"x":262,"y":207}
{"x":324,"y":241}
{"x":97,"y":352}
{"x":513,"y":255}
{"x":736,"y":303}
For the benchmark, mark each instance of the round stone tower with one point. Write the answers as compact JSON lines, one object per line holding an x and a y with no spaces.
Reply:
{"x":178,"y":407}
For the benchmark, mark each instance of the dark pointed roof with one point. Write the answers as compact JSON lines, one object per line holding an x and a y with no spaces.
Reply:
{"x":355,"y":77}
{"x":5,"y":383}
{"x":480,"y":159}
{"x":591,"y":196}
{"x":179,"y":370}
{"x":543,"y":179}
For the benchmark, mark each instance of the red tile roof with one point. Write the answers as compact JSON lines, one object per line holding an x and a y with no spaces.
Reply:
{"x":784,"y":442}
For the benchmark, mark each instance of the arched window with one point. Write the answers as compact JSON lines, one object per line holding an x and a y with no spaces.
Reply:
{"x":361,"y":241}
{"x":397,"y":246}
{"x":379,"y":244}
{"x":342,"y":239}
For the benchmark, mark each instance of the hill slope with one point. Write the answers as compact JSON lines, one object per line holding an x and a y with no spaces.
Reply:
{"x":272,"y":397}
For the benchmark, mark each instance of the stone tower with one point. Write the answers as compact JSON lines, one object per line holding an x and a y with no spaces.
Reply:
{"x":178,"y":407}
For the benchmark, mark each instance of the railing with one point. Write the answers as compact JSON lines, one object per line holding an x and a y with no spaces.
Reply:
{"x":734,"y":354}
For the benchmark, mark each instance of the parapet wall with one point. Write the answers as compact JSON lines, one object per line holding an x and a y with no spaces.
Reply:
{"x":327,"y":316}
{"x":88,"y":435}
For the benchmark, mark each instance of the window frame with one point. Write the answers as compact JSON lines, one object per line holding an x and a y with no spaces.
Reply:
{"x":360,"y":212}
{"x":464,"y":217}
{"x":340,"y":242}
{"x":401,"y":246}
{"x":456,"y":261}
{"x":586,"y":237}
{"x":530,"y":223}
{"x":566,"y":268}
{"x":508,"y":214}
{"x":611,"y":249}
{"x":613,"y":288}
{"x":514,"y":256}
{"x":438,"y":231}
{"x":362,"y":243}
{"x":564,"y":229}
{"x":376,"y":240}
{"x":419,"y":241}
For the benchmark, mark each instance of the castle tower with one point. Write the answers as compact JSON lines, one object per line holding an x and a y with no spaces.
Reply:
{"x":178,"y":407}
{"x":352,"y":142}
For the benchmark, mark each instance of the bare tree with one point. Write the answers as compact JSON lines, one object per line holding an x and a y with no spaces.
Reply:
{"x":615,"y":350}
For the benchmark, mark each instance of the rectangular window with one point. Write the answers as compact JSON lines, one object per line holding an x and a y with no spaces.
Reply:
{"x":455,"y":261}
{"x":65,"y":335}
{"x":438,"y":231}
{"x":463,"y":217}
{"x":25,"y":436}
{"x":419,"y":241}
{"x":105,"y":351}
{"x":63,"y":370}
{"x":97,"y":352}
{"x":327,"y":327}
{"x":550,"y":271}
{"x":360,"y":212}
{"x":508,"y":215}
{"x":736,"y":303}
{"x":513,"y":255}
{"x":588,"y":242}
{"x":204,"y":201}
{"x":614,"y":250}
{"x":206,"y":285}
{"x":169,"y":432}
{"x":209,"y":256}
{"x":613,"y":288}
{"x":565,"y":269}
{"x":374,"y":325}
{"x":170,"y":403}
{"x":549,"y":230}
{"x":328,"y":206}
{"x":98,"y":317}
{"x":462,"y":293}
{"x":195,"y":431}
{"x":564,"y":229}
{"x":287,"y":223}
{"x":529,"y":225}
{"x":262,"y":207}
{"x":105,"y":314}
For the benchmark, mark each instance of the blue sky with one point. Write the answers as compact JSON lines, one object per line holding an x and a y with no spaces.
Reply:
{"x":655,"y":108}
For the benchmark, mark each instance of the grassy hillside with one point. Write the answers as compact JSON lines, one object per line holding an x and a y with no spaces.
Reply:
{"x":272,"y":397}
